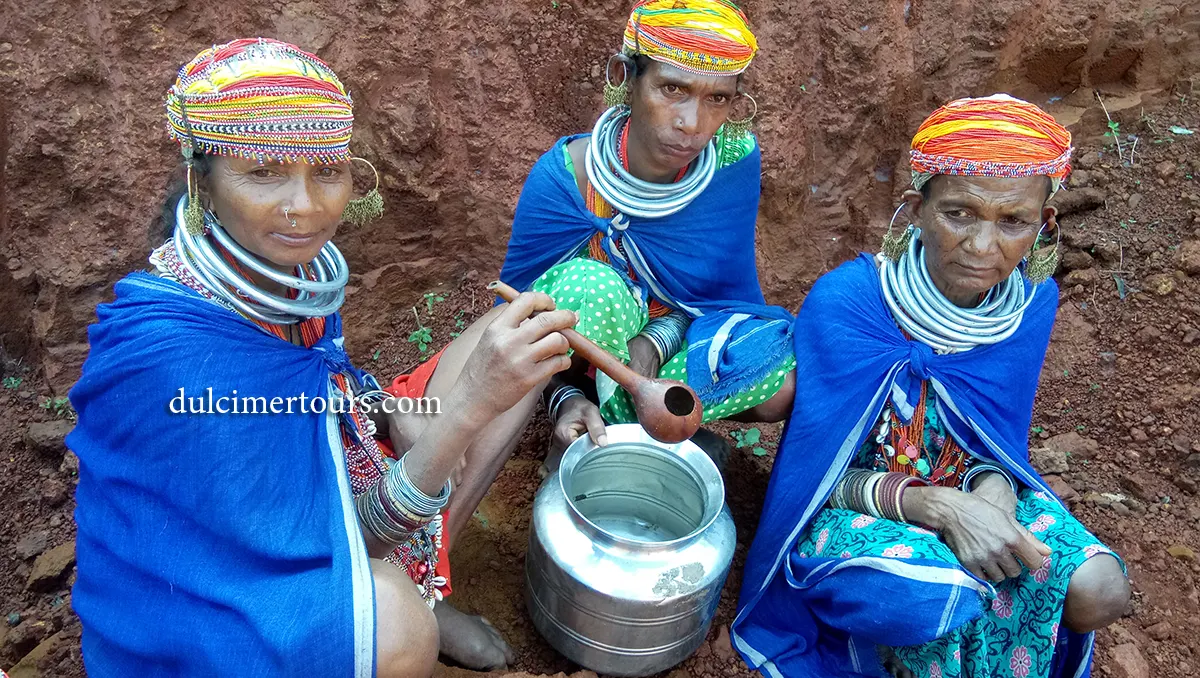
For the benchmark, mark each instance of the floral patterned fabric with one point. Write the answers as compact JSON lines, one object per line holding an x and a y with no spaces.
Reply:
{"x":1017,"y":634}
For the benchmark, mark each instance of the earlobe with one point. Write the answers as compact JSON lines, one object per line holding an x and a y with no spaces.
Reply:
{"x":915,"y":201}
{"x":1050,"y":218}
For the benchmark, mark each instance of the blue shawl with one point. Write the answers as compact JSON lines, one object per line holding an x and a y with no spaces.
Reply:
{"x":700,"y":260}
{"x":212,"y":544}
{"x":850,"y":358}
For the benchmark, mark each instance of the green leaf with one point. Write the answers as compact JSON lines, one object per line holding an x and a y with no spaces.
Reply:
{"x":1176,"y":129}
{"x":759,"y":452}
{"x":1038,"y":429}
{"x":752,"y":436}
{"x":375,"y":355}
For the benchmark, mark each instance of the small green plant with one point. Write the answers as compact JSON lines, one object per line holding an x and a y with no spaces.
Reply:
{"x":12,"y":383}
{"x":1081,"y":428}
{"x":1114,"y":129}
{"x":749,"y":438}
{"x":1037,"y":429}
{"x":460,"y":323}
{"x":432,"y":299}
{"x":60,"y":407}
{"x":375,"y":355}
{"x":422,"y":336}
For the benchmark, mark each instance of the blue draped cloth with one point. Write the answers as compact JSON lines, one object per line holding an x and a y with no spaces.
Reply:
{"x":212,"y":544}
{"x":700,"y":260}
{"x":822,"y":616}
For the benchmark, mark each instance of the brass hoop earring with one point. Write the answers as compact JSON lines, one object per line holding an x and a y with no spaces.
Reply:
{"x":894,"y":246}
{"x":369,"y":207}
{"x":193,"y":214}
{"x":1041,"y":263}
{"x":739,"y":129}
{"x":616,"y":95}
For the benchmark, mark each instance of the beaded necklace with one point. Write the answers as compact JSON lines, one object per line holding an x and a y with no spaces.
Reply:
{"x":901,"y":448}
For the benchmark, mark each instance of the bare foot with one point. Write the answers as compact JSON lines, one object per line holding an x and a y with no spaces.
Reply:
{"x":470,"y":641}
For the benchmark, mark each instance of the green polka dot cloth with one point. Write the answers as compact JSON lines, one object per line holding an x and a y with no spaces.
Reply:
{"x":610,"y":315}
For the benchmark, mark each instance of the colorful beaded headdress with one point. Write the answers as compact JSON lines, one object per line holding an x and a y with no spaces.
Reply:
{"x":263,"y":100}
{"x":996,"y":136}
{"x":706,"y":37}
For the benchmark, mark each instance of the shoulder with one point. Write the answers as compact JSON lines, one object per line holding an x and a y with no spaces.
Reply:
{"x":576,"y":150}
{"x":733,"y":148}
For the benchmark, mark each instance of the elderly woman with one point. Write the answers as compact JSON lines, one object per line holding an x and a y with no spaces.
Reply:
{"x":234,"y":510}
{"x":646,"y":227}
{"x":904,"y":530}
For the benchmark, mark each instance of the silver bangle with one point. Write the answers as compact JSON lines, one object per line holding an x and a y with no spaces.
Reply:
{"x":977,"y":470}
{"x":560,"y":396}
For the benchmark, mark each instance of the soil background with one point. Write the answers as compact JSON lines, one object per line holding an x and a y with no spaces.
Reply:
{"x":454,"y":103}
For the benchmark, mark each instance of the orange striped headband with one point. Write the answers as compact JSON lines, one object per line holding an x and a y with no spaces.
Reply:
{"x":996,"y":136}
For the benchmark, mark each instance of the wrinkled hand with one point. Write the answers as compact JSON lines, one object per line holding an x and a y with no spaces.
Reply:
{"x":643,"y":357}
{"x":518,"y":352}
{"x":577,"y":415}
{"x":987,"y":541}
{"x":995,"y":490}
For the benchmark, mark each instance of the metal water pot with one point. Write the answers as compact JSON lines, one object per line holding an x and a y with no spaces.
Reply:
{"x":629,"y":548}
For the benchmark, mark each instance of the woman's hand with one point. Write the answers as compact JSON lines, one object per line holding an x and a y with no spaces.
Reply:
{"x":643,"y":357}
{"x":519,"y":351}
{"x":986,"y":540}
{"x":995,"y":490}
{"x":577,"y":415}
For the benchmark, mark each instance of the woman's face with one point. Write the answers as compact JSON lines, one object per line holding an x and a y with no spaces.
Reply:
{"x":976,"y":230}
{"x":250,"y":198}
{"x":675,"y":114}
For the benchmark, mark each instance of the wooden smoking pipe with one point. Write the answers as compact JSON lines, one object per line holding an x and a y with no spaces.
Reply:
{"x":669,"y":410}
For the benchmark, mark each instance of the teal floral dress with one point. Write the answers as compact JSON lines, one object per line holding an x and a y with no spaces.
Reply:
{"x":1017,"y":635}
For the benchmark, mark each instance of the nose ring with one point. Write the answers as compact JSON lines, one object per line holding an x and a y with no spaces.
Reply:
{"x":291,"y":219}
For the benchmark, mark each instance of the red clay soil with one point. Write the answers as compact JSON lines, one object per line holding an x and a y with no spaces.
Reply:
{"x":455,"y":101}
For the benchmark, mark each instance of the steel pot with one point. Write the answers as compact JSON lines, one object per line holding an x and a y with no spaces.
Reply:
{"x":629,"y":548}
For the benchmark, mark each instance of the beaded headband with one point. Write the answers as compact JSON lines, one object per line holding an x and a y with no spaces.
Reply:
{"x":705,"y":37}
{"x":996,"y":136}
{"x":262,"y":100}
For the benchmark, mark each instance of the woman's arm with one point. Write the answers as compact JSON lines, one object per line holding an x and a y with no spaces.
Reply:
{"x":520,"y":350}
{"x":986,"y":540}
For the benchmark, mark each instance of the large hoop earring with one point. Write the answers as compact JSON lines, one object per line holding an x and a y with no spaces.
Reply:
{"x":1041,"y":263}
{"x":736,"y":130}
{"x":369,"y":207}
{"x":894,"y":246}
{"x":617,"y":95}
{"x":193,"y":214}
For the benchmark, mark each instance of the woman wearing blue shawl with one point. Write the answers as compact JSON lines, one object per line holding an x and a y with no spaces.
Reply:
{"x":646,"y":227}
{"x":904,"y":531}
{"x":234,"y":506}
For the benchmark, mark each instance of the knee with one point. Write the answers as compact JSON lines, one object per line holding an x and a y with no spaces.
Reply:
{"x":1097,"y":595}
{"x":406,"y":632}
{"x":779,"y":406}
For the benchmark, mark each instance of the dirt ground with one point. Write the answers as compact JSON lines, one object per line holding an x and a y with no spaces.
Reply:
{"x":842,"y":84}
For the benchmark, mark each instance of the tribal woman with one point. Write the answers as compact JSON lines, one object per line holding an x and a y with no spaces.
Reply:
{"x":646,"y":227}
{"x":218,"y":540}
{"x":904,"y":531}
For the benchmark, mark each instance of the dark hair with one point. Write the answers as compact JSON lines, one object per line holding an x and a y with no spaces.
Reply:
{"x":164,"y":225}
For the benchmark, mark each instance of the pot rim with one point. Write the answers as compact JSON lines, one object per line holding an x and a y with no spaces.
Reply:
{"x":687,"y":452}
